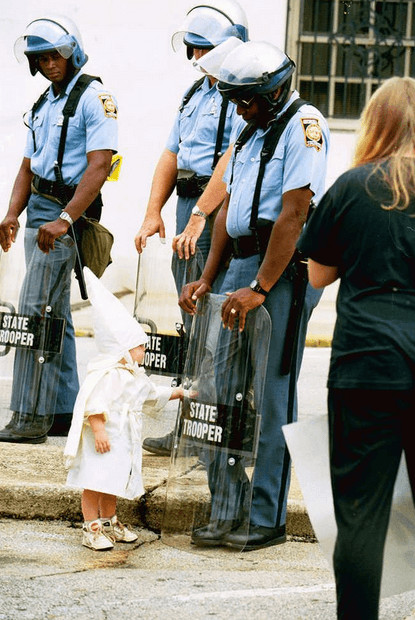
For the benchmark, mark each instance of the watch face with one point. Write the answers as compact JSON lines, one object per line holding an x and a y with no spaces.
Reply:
{"x":253,"y":284}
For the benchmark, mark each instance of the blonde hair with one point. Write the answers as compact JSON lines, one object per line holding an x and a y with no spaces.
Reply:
{"x":388,"y":132}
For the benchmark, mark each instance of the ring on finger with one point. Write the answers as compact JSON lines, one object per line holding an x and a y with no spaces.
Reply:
{"x":233,"y":311}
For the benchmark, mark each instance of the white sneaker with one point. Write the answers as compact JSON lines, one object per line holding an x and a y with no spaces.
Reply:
{"x":94,"y":537}
{"x":116,"y":531}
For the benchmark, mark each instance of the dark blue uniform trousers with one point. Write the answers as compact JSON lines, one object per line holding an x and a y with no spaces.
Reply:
{"x":269,"y":488}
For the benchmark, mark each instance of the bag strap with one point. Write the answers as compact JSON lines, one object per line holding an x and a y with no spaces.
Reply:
{"x":70,"y":108}
{"x":35,"y":108}
{"x":194,"y":87}
{"x":268,"y":149}
{"x":222,"y":118}
{"x":221,"y":130}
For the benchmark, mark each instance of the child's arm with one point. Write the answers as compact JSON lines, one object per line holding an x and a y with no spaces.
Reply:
{"x":97,"y":422}
{"x":177,"y":393}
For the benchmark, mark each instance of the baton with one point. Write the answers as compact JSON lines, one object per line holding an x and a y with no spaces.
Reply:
{"x":297,"y":304}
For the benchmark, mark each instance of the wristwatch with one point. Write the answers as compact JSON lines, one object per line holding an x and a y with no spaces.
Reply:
{"x":197,"y":211}
{"x":65,"y":216}
{"x":255,"y":286}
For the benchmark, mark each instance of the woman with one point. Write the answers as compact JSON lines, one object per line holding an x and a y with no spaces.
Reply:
{"x":363,"y":232}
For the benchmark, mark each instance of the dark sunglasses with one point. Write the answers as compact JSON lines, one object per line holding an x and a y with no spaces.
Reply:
{"x":243,"y":103}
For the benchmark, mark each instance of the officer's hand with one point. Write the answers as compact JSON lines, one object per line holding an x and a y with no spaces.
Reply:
{"x":191,"y":293}
{"x":238,"y":305}
{"x":185,"y":243}
{"x":47,"y":234}
{"x":8,"y":231}
{"x":150,"y":227}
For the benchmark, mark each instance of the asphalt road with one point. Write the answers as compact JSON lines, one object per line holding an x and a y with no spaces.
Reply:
{"x":47,"y":574}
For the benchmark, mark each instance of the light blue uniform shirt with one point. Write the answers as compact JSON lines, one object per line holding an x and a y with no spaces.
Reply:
{"x":93,"y":128}
{"x":298,"y":161}
{"x":193,"y":136}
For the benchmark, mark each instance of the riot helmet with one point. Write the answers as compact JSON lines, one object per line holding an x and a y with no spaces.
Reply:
{"x":50,"y":33}
{"x":207,"y":25}
{"x":256,"y":68}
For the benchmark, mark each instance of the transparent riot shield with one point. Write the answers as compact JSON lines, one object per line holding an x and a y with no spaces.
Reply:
{"x":160,"y":278}
{"x":213,"y":461}
{"x":312,"y":467}
{"x":32,"y":327}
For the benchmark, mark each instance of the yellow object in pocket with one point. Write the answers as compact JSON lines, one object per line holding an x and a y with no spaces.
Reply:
{"x":116,"y":162}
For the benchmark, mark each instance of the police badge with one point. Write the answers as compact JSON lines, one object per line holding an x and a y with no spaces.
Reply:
{"x":313,"y":134}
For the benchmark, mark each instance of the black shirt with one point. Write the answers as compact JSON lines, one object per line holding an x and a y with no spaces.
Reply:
{"x":374,"y":250}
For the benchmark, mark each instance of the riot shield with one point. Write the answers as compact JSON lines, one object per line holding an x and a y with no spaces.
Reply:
{"x":312,"y":468}
{"x":32,"y":327}
{"x":160,"y":278}
{"x":213,"y":460}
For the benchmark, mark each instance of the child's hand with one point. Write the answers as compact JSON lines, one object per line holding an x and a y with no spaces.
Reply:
{"x":178,"y":392}
{"x":102,"y":443}
{"x":97,"y":423}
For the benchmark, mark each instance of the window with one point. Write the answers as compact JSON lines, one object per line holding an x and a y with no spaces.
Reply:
{"x":345,"y":48}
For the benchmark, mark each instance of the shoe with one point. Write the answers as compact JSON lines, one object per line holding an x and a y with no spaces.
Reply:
{"x":7,"y":434}
{"x":257,"y":537}
{"x":116,"y":531}
{"x":60,"y":425}
{"x":162,"y":446}
{"x":94,"y":537}
{"x":213,"y":534}
{"x":12,"y":422}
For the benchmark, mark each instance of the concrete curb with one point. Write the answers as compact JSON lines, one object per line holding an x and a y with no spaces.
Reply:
{"x":32,"y":486}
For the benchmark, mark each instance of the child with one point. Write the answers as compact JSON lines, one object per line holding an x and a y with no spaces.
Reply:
{"x":103,"y":450}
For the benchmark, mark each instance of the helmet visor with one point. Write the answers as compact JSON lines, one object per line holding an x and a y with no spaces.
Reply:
{"x":213,"y":26}
{"x":211,"y":62}
{"x":42,"y":35}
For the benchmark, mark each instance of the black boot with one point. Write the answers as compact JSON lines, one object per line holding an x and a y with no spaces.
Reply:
{"x":60,"y":425}
{"x":23,"y":429}
{"x":159,"y":445}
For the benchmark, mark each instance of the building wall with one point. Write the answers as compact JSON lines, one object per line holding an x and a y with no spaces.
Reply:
{"x":128,"y":43}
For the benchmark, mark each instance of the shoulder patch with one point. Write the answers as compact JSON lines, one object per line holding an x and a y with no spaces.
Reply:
{"x":313,"y":135}
{"x":108,"y":103}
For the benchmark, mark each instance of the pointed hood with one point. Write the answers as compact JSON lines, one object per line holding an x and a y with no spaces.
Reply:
{"x":116,"y":331}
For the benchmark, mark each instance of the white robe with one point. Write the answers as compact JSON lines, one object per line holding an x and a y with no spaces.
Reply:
{"x":121,"y":393}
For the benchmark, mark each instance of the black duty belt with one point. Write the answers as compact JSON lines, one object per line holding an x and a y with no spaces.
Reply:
{"x":257,"y":243}
{"x":191,"y":186}
{"x":52,"y":188}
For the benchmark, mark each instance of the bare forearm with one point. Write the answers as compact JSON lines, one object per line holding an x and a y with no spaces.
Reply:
{"x":215,"y":191}
{"x":21,"y":189}
{"x":284,"y":236}
{"x":163,"y":184}
{"x":90,"y":184}
{"x":219,"y":246}
{"x":321,"y":275}
{"x":97,"y":422}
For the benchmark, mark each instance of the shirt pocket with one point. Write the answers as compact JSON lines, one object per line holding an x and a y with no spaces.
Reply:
{"x":274,"y":170}
{"x":208,"y":123}
{"x":186,"y":121}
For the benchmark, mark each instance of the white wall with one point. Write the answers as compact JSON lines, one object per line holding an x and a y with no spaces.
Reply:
{"x":128,"y":43}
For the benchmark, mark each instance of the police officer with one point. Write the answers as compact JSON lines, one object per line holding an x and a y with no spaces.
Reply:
{"x":53,"y":47}
{"x":257,"y":77}
{"x":204,"y":128}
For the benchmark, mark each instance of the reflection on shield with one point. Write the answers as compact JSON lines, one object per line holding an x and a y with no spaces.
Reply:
{"x":216,"y":441}
{"x":160,"y":278}
{"x":32,"y":327}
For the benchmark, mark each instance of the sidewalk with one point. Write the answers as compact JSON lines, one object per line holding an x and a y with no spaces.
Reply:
{"x":32,"y":486}
{"x":32,"y":477}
